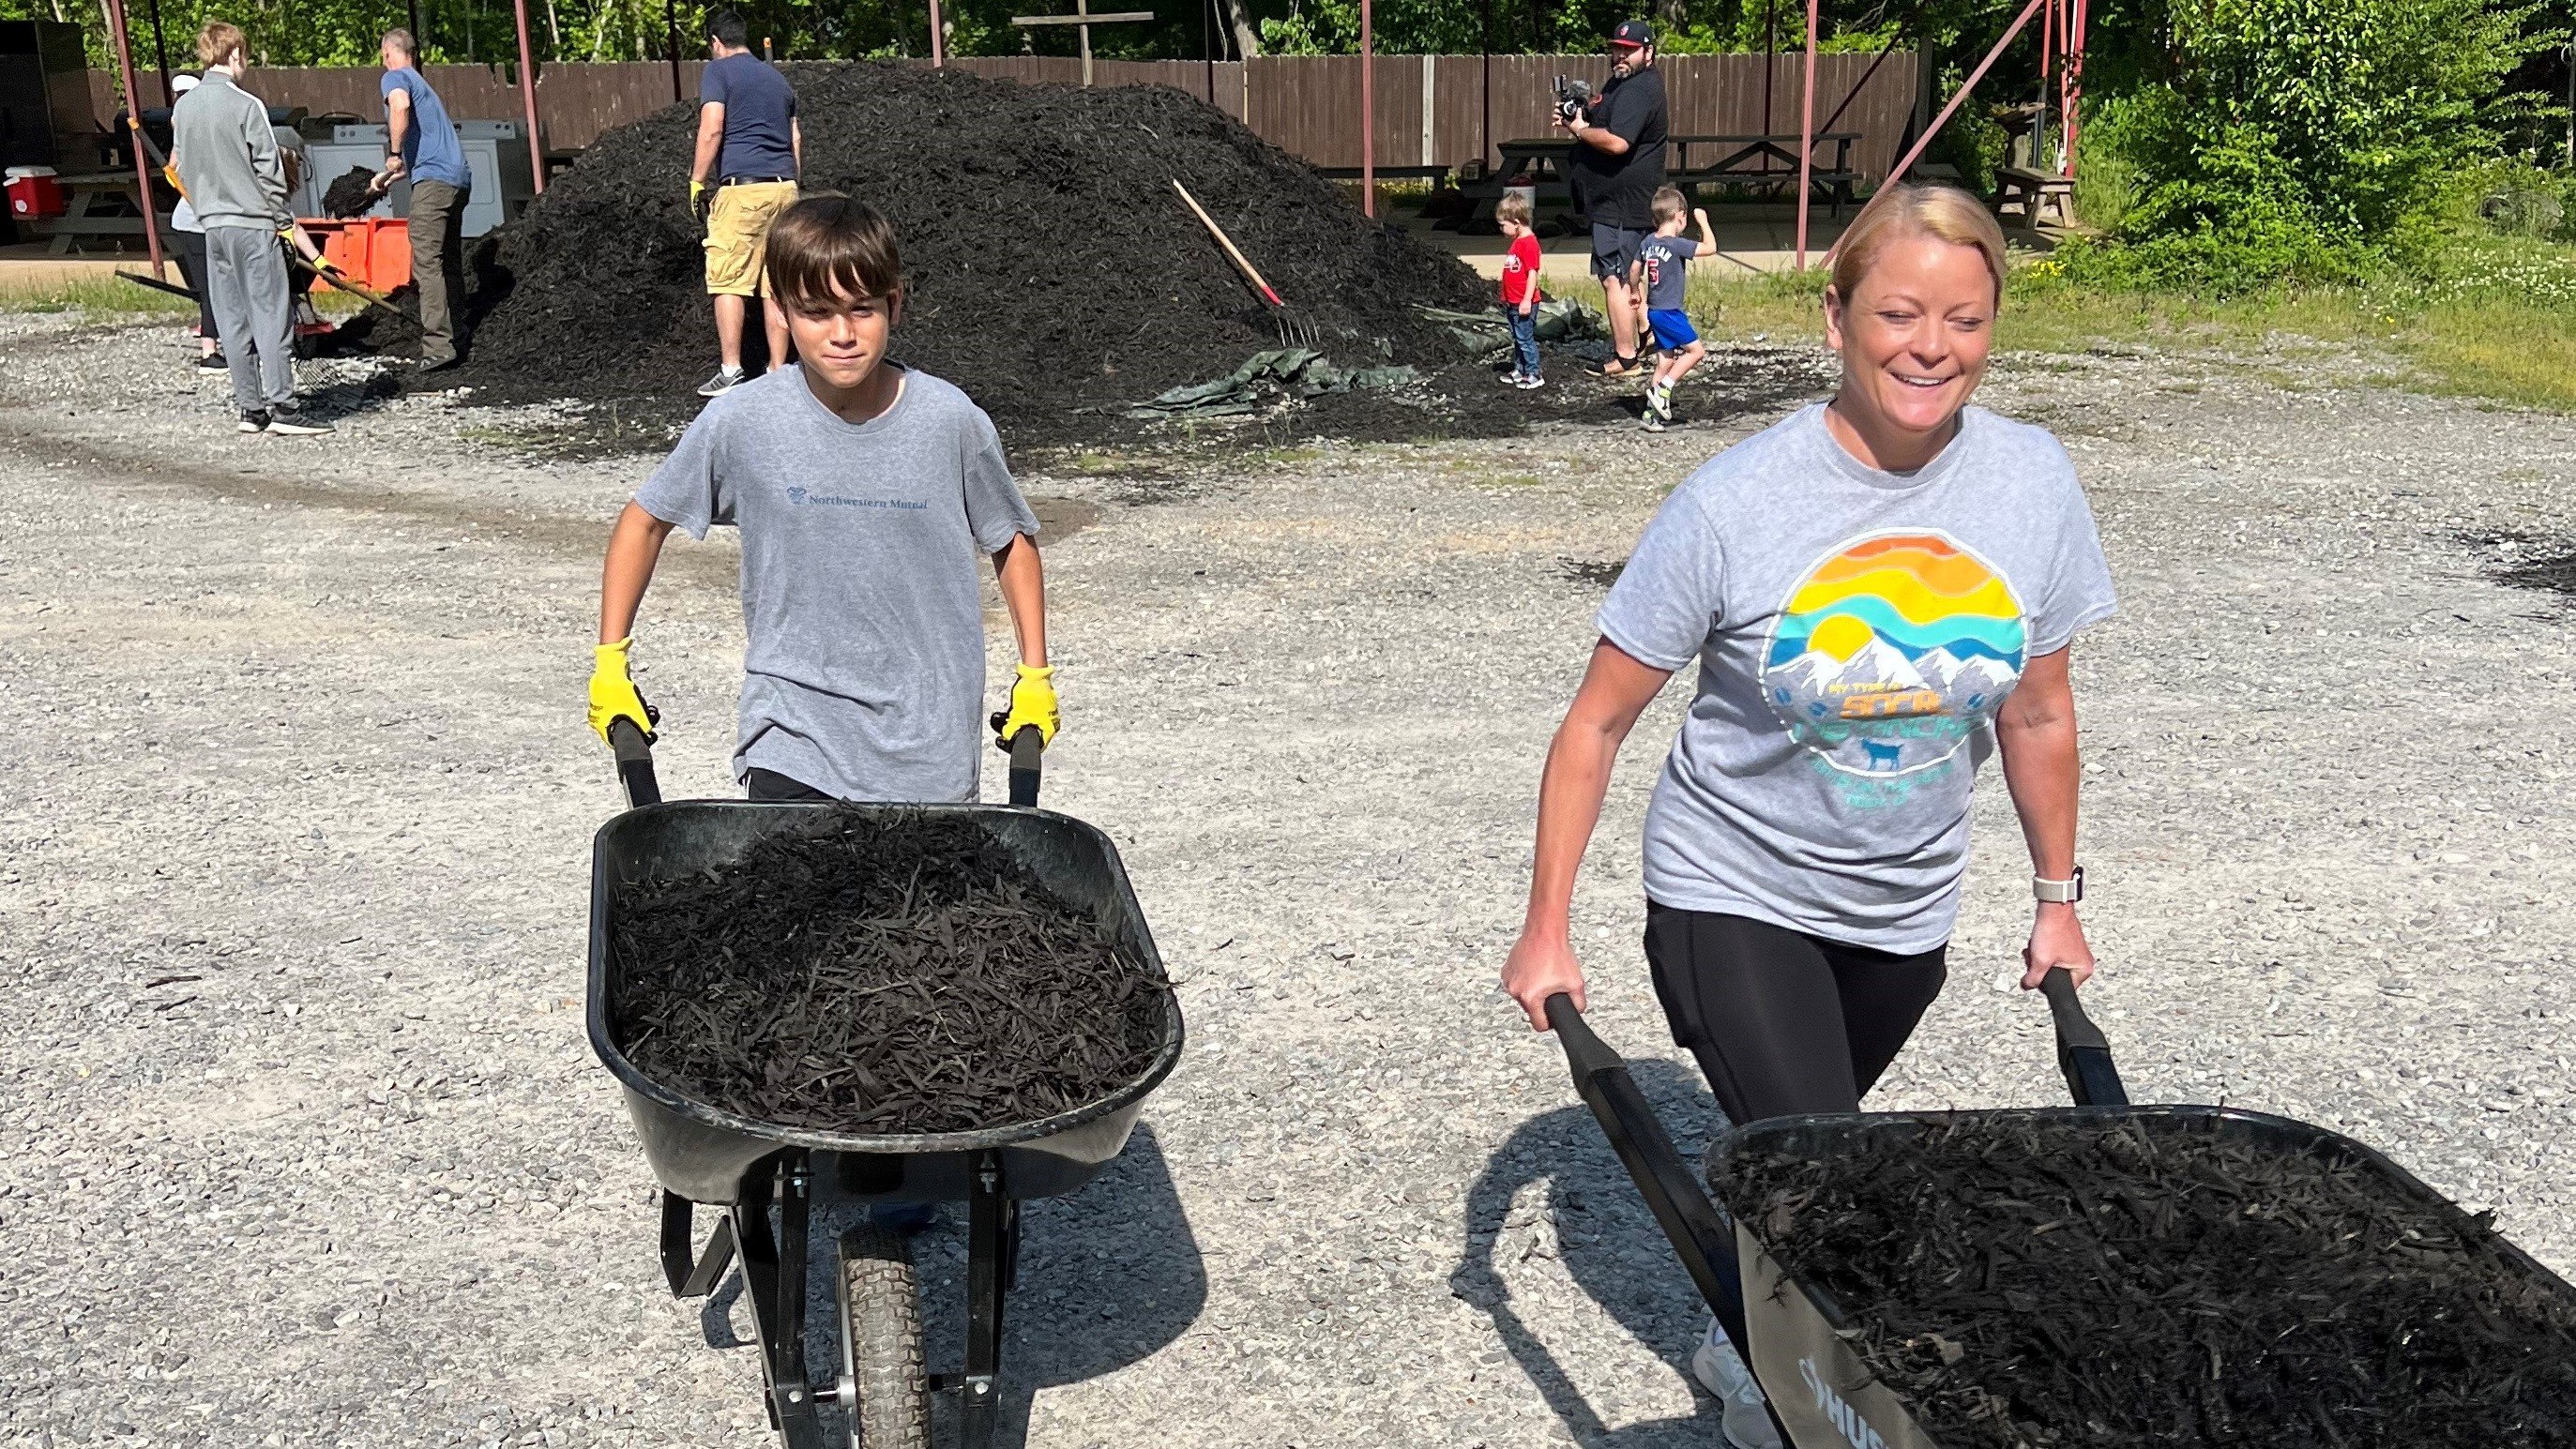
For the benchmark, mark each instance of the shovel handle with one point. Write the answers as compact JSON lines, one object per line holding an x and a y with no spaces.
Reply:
{"x":634,"y":763}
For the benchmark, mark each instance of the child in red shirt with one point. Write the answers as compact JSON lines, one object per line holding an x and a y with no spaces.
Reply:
{"x":1520,"y":289}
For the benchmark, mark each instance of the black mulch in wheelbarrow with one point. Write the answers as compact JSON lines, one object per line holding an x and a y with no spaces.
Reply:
{"x":880,"y":975}
{"x":2043,"y":1284}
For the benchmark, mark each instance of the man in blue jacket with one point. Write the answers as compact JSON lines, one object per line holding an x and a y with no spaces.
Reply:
{"x":422,"y":143}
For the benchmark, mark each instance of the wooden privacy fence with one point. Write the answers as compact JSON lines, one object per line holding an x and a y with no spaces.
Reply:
{"x":1431,"y":109}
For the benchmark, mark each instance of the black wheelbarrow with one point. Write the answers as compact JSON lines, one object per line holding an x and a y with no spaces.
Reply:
{"x":1794,"y":1336}
{"x":765,"y":1179}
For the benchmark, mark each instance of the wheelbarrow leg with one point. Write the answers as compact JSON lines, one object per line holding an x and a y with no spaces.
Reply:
{"x":992,"y":1237}
{"x":773,"y":1269}
{"x":692,"y":1274}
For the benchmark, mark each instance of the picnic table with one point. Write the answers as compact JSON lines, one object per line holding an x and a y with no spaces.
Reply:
{"x":1748,"y":159}
{"x":1764,"y":159}
{"x":96,"y":204}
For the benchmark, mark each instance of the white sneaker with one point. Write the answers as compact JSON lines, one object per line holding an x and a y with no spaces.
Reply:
{"x":722,"y":383}
{"x":1744,"y":1419}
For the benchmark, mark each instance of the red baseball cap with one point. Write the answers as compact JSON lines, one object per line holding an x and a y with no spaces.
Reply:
{"x":1632,"y":33}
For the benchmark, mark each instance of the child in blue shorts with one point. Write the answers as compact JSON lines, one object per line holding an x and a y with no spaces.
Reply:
{"x":1659,"y":272}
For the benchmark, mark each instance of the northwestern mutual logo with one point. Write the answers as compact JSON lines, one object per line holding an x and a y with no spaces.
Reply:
{"x":804,"y":496}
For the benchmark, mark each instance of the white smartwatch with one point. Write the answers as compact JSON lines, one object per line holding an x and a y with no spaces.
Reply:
{"x":2059,"y":892}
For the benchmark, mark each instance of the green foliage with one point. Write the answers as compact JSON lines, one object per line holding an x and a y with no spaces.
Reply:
{"x":2296,"y":139}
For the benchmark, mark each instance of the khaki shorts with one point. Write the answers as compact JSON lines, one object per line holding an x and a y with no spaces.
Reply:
{"x":738,"y":236}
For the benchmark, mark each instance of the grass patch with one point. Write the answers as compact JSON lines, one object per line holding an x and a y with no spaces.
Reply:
{"x":2497,"y":322}
{"x":108,"y":295}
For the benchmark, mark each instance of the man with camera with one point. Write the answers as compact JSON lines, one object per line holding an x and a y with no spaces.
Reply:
{"x":1618,"y":162}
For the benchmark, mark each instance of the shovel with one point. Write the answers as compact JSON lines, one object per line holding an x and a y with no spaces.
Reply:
{"x":1294,"y":331}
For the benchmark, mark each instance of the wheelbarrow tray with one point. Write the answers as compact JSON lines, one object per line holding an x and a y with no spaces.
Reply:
{"x":702,"y":1152}
{"x":1822,"y":1392}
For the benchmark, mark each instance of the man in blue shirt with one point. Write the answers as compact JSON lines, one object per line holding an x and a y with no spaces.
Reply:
{"x":422,"y":144}
{"x":750,"y":150}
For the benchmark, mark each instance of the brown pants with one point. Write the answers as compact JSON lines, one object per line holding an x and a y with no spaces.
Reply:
{"x":437,"y":262}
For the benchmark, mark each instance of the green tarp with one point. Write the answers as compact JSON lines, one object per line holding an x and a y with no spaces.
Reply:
{"x":1485,"y":334}
{"x":1267,"y":378}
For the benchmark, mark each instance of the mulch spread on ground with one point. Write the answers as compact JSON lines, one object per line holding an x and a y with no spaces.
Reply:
{"x":2046,"y":1284}
{"x":1050,"y":265}
{"x":879,"y":974}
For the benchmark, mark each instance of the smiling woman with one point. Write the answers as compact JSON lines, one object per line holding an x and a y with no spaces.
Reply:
{"x":1879,"y":592}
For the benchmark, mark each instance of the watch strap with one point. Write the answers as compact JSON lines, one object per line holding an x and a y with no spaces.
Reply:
{"x":2059,"y":892}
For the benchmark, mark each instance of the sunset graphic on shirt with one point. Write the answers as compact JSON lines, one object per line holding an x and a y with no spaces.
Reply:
{"x":1892,"y":651}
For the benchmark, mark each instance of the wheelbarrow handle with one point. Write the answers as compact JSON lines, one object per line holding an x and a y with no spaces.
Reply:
{"x":634,"y":763}
{"x":1026,"y":747}
{"x":2083,"y":1052}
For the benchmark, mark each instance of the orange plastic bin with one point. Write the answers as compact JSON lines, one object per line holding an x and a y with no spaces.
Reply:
{"x":374,"y":250}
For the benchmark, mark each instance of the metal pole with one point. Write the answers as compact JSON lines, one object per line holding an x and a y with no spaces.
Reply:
{"x":1485,"y":125}
{"x":419,"y":36}
{"x":528,"y":96}
{"x":670,"y":17}
{"x":1770,"y":57}
{"x":1806,"y":132}
{"x":161,"y":56}
{"x":1970,"y":84}
{"x":1207,"y":45}
{"x":134,"y":135}
{"x":939,"y":42}
{"x":1368,"y":112}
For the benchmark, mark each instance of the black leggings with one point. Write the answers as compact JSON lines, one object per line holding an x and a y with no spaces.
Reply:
{"x":771,"y":785}
{"x":1784,"y":1022}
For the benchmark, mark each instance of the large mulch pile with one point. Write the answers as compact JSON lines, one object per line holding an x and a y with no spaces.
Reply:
{"x":879,"y":973}
{"x":2030,"y":1283}
{"x":1051,"y":267}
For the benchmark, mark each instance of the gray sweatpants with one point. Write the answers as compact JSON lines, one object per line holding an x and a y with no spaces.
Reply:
{"x":246,"y":282}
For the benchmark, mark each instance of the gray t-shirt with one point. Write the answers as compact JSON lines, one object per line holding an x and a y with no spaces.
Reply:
{"x":1666,"y":261}
{"x":1856,"y":632}
{"x":864,"y":673}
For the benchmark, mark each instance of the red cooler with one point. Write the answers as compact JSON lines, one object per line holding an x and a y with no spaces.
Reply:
{"x":34,"y":193}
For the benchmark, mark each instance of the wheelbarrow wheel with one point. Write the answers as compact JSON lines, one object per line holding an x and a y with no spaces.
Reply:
{"x":881,"y":1341}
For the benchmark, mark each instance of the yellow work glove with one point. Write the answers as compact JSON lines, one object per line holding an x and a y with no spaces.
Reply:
{"x":613,"y":695}
{"x":1032,"y":703}
{"x":697,"y":198}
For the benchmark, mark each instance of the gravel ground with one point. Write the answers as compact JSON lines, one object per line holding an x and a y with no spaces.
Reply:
{"x":301,"y":1143}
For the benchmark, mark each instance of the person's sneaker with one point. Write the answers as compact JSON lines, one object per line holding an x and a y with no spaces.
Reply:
{"x":437,"y":361}
{"x":1512,"y":378}
{"x":1651,"y":421}
{"x":1743,"y":1417}
{"x":254,"y":421}
{"x":1659,"y":400}
{"x":1530,"y":380}
{"x":292,"y":420}
{"x":213,"y":362}
{"x":721,"y":383}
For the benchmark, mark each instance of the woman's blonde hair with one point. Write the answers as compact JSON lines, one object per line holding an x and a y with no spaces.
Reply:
{"x":1909,"y":209}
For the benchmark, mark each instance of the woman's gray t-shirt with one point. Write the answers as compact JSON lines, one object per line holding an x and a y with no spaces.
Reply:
{"x":1856,"y":632}
{"x":863,"y":675}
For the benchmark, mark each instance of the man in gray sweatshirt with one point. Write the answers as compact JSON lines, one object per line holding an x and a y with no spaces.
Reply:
{"x":229,"y":167}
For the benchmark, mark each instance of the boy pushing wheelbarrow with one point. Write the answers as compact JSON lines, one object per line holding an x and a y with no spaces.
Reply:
{"x":863,"y":490}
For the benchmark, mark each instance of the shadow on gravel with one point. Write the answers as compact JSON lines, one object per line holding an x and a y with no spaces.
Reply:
{"x":1610,"y":1246}
{"x":2521,"y":559}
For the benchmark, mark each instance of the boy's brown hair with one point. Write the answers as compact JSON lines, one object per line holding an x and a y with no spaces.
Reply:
{"x":1668,"y":204}
{"x":217,"y":42}
{"x":829,"y":243}
{"x":1513,"y":208}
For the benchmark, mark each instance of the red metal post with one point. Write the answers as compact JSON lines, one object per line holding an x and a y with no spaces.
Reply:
{"x":528,"y":96}
{"x":1807,"y":133}
{"x":1897,"y":173}
{"x":1368,"y":112}
{"x":2073,"y":97}
{"x":134,"y":135}
{"x":938,"y":42}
